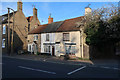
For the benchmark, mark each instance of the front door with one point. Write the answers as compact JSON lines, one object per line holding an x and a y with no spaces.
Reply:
{"x":53,"y":51}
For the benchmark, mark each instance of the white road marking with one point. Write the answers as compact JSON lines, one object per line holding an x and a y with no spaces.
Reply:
{"x":105,"y":67}
{"x":109,"y":68}
{"x":36,"y":70}
{"x":76,"y":70}
{"x":116,"y":68}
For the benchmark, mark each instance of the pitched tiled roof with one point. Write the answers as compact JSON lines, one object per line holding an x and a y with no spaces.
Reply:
{"x":71,"y":24}
{"x":53,"y":27}
{"x":38,"y":30}
{"x":29,"y":18}
{"x":61,"y":26}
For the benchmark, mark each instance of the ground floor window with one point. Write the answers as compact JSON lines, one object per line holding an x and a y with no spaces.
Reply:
{"x":30,"y":47}
{"x":3,"y":43}
{"x":46,"y":48}
{"x":70,"y":49}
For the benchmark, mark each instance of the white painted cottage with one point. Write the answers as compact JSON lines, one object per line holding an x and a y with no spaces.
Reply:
{"x":63,"y":37}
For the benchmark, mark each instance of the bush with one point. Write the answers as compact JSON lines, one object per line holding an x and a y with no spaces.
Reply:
{"x":38,"y":53}
{"x":66,"y":57}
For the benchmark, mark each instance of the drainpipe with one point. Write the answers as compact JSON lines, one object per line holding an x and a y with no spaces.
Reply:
{"x":8,"y":48}
{"x":81,"y":42}
{"x":12,"y":50}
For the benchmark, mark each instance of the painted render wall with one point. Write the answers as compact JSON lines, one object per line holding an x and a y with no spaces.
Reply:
{"x":58,"y":37}
{"x":43,"y":40}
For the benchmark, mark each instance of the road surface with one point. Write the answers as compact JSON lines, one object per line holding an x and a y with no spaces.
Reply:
{"x":19,"y":68}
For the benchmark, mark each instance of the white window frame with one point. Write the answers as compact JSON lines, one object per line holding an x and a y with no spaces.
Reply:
{"x":4,"y":29}
{"x":47,"y":48}
{"x":35,"y":37}
{"x":70,"y":49}
{"x":47,"y":37}
{"x":66,"y":37}
{"x":30,"y":49}
{"x":3,"y":43}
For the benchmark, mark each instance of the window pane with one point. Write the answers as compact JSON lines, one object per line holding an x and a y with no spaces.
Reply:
{"x":47,"y":37}
{"x":49,"y":49}
{"x":66,"y":36}
{"x":3,"y":43}
{"x":35,"y":37}
{"x":4,"y":29}
{"x":44,"y":48}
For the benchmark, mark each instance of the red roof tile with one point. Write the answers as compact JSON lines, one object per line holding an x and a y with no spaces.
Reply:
{"x":70,"y":24}
{"x":67,"y":25}
{"x":29,"y":18}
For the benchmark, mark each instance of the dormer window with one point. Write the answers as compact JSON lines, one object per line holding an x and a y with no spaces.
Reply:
{"x":35,"y":37}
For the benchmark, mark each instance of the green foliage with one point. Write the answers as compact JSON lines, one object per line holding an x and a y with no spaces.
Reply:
{"x":38,"y":53}
{"x":101,"y":28}
{"x":95,"y":33}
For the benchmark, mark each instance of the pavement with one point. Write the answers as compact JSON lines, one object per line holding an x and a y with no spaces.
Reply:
{"x":110,"y":63}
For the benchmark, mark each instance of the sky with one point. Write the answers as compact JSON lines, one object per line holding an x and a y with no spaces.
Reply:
{"x":59,"y":10}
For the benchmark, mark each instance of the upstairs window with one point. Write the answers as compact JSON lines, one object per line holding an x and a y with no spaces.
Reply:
{"x":4,"y":29}
{"x":65,"y":36}
{"x":47,"y":37}
{"x":3,"y":43}
{"x":35,"y":37}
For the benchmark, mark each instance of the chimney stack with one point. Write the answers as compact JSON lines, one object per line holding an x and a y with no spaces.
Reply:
{"x":50,"y":19}
{"x":88,"y":10}
{"x":19,"y":5}
{"x":34,"y":13}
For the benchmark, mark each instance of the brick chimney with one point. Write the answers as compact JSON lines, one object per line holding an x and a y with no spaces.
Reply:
{"x":19,"y":5}
{"x":50,"y":19}
{"x":34,"y":13}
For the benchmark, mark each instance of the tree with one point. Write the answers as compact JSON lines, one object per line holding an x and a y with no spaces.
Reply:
{"x":102,"y":25}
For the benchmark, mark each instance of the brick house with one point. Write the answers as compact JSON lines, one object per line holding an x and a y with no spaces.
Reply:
{"x":22,"y":25}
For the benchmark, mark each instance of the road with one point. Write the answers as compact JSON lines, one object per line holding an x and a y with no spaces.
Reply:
{"x":19,"y":68}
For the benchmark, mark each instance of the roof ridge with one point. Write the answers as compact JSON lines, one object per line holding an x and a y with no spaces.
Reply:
{"x":7,"y":13}
{"x":73,"y":18}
